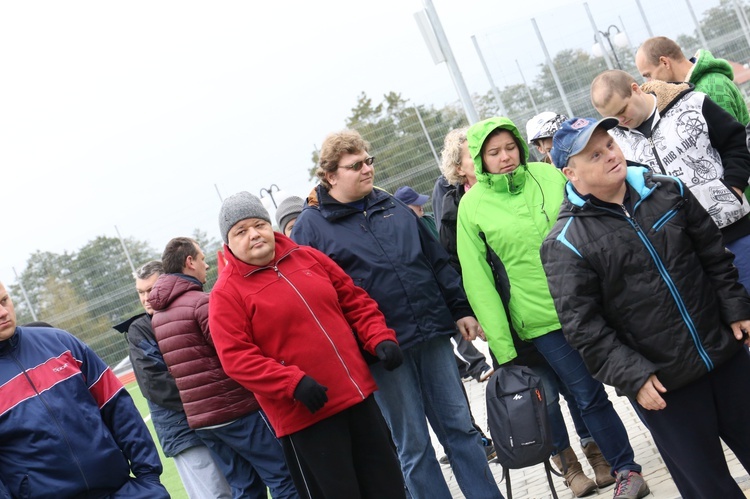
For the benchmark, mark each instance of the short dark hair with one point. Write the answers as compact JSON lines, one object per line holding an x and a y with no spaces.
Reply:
{"x":176,"y":252}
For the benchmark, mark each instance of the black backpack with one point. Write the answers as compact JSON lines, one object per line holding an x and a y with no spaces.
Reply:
{"x":518,"y":421}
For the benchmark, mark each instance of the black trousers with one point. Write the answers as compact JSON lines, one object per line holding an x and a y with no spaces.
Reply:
{"x":346,"y":456}
{"x":688,"y":431}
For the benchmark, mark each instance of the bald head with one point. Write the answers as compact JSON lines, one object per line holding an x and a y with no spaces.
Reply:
{"x":608,"y":84}
{"x":660,"y":58}
{"x":7,"y":315}
{"x":615,"y":93}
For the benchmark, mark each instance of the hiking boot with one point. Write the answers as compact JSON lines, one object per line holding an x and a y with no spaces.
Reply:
{"x":567,"y":462}
{"x":602,"y":469}
{"x":630,"y":485}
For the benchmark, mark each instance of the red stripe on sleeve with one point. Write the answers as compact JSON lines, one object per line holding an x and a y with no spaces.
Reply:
{"x":105,"y":387}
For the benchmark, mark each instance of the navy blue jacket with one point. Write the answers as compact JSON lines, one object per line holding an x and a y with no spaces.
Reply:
{"x":387,"y":251}
{"x":68,"y":428}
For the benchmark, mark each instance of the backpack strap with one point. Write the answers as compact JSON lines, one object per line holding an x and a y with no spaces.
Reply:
{"x":506,"y":477}
{"x":548,"y":469}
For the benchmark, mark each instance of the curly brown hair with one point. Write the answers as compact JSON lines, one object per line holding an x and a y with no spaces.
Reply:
{"x":334,"y":146}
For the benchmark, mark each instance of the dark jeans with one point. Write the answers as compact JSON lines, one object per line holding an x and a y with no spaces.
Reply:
{"x":553,"y":388}
{"x":250,"y":456}
{"x":348,"y":455}
{"x":596,"y":409}
{"x":688,"y":431}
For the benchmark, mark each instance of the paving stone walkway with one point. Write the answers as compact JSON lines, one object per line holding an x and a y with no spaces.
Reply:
{"x":531,"y":483}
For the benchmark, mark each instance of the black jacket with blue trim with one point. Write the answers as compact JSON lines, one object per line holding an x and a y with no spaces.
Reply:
{"x":387,"y":251}
{"x":646,"y":290}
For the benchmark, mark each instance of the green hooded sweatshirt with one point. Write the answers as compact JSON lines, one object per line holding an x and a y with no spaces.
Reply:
{"x":714,"y":78}
{"x":514,"y":212}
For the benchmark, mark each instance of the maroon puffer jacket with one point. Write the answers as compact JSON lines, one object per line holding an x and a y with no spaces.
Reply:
{"x":180,"y":323}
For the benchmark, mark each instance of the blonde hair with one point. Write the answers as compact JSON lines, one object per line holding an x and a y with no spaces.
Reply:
{"x":334,"y":146}
{"x":450,"y":156}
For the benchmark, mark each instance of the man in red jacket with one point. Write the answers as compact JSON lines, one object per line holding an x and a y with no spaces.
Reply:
{"x":224,"y":414}
{"x":287,"y":321}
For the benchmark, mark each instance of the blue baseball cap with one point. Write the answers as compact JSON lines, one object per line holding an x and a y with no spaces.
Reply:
{"x":407,"y":195}
{"x":573,"y":136}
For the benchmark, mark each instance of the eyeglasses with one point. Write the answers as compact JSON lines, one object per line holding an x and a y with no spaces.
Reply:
{"x":359,"y":164}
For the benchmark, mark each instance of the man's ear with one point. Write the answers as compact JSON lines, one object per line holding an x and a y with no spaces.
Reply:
{"x":570,"y":173}
{"x":331,"y":178}
{"x":665,"y":61}
{"x":189,"y":263}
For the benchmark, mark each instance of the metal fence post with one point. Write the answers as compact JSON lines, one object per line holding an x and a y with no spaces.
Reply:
{"x":552,"y":69}
{"x":495,"y":91}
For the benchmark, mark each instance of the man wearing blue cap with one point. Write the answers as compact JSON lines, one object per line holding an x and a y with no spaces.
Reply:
{"x":648,"y":295}
{"x":416,"y":202}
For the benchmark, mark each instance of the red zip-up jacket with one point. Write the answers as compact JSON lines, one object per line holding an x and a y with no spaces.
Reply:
{"x":296,"y":316}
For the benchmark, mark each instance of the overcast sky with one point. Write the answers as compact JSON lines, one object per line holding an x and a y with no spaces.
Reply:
{"x":128,"y":113}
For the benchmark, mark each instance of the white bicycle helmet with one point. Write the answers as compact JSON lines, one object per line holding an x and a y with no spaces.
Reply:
{"x":544,"y":125}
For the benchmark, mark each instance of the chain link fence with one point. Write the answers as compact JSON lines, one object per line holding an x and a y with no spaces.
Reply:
{"x":544,"y":63}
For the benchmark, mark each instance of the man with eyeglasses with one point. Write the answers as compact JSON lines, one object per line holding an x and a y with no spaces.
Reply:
{"x":385,"y":249}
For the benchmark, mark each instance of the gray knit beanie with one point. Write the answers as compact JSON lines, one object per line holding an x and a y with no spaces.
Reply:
{"x":239,"y":207}
{"x":288,"y":209}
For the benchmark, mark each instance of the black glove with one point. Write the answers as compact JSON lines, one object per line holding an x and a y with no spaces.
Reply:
{"x":390,"y":353}
{"x":311,"y":393}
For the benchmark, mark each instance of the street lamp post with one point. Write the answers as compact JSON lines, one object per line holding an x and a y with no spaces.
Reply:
{"x":620,"y":39}
{"x":270,"y":191}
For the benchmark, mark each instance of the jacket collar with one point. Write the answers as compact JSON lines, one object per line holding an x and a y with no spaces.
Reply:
{"x":512,"y":182}
{"x":284,"y":246}
{"x":11,"y":343}
{"x":638,"y":178}
{"x":332,"y":209}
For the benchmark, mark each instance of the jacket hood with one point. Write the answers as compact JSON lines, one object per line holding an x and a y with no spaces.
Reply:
{"x":168,"y":288}
{"x":666,"y":93}
{"x":284,"y":246}
{"x":478,"y":133}
{"x":475,"y":138}
{"x":706,"y":63}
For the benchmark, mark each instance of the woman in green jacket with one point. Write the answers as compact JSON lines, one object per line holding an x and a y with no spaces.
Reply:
{"x":502,"y":222}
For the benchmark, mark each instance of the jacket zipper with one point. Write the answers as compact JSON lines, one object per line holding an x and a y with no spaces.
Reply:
{"x":672,"y":289}
{"x":335,"y":349}
{"x":667,"y":217}
{"x":63,"y":433}
{"x":656,"y":156}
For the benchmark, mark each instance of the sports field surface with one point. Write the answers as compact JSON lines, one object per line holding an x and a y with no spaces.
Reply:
{"x":169,"y":478}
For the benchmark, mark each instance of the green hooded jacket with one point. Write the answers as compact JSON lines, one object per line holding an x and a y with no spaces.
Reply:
{"x":714,"y":78}
{"x":513,"y":212}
